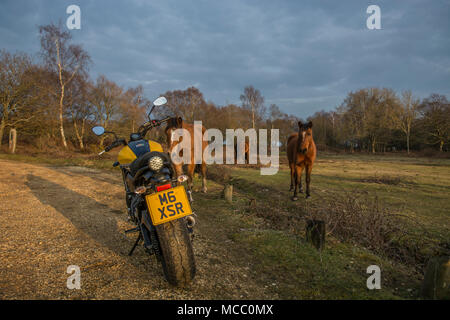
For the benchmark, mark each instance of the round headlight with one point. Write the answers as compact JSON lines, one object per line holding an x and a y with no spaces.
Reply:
{"x":155,"y":163}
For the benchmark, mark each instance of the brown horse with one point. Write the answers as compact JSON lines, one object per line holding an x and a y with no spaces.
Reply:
{"x":177,"y":123}
{"x":301,"y":152}
{"x":246,"y":152}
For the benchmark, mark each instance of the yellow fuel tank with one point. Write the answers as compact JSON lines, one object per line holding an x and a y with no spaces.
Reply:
{"x":135,"y":149}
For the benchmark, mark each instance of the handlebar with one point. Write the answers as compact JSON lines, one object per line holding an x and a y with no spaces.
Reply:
{"x":155,"y":123}
{"x":116,"y":143}
{"x":145,"y":127}
{"x":152,"y":124}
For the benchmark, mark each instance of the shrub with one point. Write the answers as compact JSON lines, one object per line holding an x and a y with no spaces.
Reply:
{"x":219,"y":173}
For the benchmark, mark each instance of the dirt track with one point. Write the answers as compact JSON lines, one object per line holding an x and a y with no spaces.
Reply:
{"x":53,"y":217}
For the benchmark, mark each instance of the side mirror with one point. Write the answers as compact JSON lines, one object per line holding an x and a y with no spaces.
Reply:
{"x":160,"y":101}
{"x":98,"y":130}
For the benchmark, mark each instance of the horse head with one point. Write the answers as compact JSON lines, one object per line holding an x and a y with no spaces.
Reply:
{"x":178,"y":123}
{"x":305,"y":138}
{"x":172,"y":124}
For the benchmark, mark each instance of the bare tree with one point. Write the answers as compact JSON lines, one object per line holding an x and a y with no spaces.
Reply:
{"x":16,"y":90}
{"x":352,"y":113}
{"x":47,"y":129}
{"x":78,"y":108}
{"x":232,"y":116}
{"x":105,"y":98}
{"x":185,"y":103}
{"x":134,"y":106}
{"x":405,"y":115}
{"x":435,"y":111}
{"x":275,"y":112}
{"x":63,"y":58}
{"x":368,"y":114}
{"x":254,"y":101}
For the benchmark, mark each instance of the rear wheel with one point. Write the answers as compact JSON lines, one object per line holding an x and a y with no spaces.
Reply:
{"x":177,"y":256}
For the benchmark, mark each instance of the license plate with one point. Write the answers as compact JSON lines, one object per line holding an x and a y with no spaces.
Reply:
{"x":168,"y":205}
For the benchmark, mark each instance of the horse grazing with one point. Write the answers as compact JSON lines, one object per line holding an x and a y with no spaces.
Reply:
{"x":178,"y":123}
{"x":301,"y":153}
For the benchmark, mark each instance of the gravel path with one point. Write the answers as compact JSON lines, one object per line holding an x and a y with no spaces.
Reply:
{"x":53,"y":217}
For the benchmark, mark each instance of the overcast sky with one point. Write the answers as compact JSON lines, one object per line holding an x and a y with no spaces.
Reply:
{"x":304,"y":56}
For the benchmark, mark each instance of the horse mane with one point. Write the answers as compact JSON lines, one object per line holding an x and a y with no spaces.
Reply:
{"x":292,"y":136}
{"x":172,"y":123}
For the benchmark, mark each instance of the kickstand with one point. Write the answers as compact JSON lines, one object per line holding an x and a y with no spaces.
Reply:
{"x":135,"y":244}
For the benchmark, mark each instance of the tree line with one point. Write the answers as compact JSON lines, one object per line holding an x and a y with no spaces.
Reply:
{"x":52,"y":102}
{"x":374,"y":119}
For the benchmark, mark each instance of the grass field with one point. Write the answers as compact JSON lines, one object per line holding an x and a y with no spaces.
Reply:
{"x":418,"y":189}
{"x":269,"y":227}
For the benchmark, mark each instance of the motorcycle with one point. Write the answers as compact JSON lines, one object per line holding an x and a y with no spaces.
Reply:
{"x":157,"y":201}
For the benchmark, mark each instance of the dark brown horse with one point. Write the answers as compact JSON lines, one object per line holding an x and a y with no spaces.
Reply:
{"x":301,"y":153}
{"x":178,"y":123}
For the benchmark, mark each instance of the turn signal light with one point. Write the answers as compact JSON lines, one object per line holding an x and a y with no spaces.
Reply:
{"x":140,"y":190}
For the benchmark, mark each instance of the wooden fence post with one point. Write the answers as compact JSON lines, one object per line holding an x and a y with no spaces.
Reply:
{"x":228,"y":193}
{"x":315,"y":233}
{"x":12,"y":140}
{"x":436,"y":282}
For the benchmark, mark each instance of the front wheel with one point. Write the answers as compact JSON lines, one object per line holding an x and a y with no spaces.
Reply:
{"x":177,"y":255}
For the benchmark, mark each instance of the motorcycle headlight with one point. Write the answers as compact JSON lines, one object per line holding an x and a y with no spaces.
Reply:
{"x":155,"y":163}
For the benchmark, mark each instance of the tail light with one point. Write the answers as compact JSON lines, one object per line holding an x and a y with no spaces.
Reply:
{"x":163,"y":187}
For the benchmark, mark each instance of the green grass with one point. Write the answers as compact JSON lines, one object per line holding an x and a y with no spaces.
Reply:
{"x":291,"y":267}
{"x":299,"y":271}
{"x":423,"y":191}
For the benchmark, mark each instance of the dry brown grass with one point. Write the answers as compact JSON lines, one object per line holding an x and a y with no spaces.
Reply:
{"x":219,"y":173}
{"x":360,"y":218}
{"x":387,"y":179}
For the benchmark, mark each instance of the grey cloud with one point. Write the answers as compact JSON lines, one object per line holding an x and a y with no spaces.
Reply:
{"x":305,"y":56}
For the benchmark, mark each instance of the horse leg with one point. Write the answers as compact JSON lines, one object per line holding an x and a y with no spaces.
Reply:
{"x":308,"y":180}
{"x":294,"y":197}
{"x":298,"y":178}
{"x":190,"y":174}
{"x":300,"y":190}
{"x":204,"y":189}
{"x":292,"y":167}
{"x":178,"y":169}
